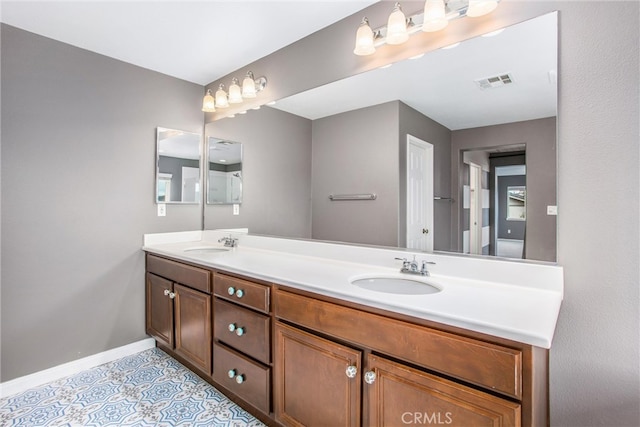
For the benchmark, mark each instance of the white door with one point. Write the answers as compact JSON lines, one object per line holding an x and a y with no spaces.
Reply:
{"x":419,"y":194}
{"x":475,"y":209}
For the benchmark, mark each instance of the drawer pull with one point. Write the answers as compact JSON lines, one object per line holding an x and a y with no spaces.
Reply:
{"x":231,"y":327}
{"x":240,"y":379}
{"x":370,"y":377}
{"x":231,"y":373}
{"x":231,"y":290}
{"x":239,"y":332}
{"x":351,"y":371}
{"x":239,"y":293}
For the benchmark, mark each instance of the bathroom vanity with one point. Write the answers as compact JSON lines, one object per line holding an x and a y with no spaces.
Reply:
{"x":280,"y":327}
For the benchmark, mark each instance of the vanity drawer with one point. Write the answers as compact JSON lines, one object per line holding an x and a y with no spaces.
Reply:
{"x":243,"y":292}
{"x":492,"y":366}
{"x":242,"y":329}
{"x":193,"y":277}
{"x":254,"y":387}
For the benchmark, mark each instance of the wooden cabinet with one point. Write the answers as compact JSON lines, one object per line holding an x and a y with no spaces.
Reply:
{"x":178,"y":315}
{"x":396,"y":394}
{"x":318,"y":381}
{"x":404,"y":373}
{"x":242,"y":335}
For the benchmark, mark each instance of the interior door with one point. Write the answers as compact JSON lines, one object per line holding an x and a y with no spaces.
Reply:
{"x":419,"y":194}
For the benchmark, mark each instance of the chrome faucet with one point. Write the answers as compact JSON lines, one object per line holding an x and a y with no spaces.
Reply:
{"x":411,"y":267}
{"x":229,"y":242}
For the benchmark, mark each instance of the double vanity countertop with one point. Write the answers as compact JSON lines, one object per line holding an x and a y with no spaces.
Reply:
{"x":518,"y":301}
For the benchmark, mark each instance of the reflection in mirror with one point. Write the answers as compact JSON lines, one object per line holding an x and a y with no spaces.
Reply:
{"x":490,"y":101}
{"x":224,"y":171}
{"x":178,"y":166}
{"x":516,"y":203}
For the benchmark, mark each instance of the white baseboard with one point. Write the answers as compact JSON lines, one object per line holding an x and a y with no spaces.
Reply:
{"x":36,"y":379}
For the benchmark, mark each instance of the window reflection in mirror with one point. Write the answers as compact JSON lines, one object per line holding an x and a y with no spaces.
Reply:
{"x":178,"y":166}
{"x":224,"y":171}
{"x":516,"y":203}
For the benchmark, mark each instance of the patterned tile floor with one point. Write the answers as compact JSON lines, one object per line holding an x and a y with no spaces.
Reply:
{"x":146,"y":389}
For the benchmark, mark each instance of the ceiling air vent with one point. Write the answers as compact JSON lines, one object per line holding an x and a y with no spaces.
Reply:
{"x":494,"y":81}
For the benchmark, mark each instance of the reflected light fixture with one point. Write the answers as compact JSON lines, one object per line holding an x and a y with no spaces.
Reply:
{"x":434,"y":17}
{"x":208,"y":103}
{"x":236,"y":95}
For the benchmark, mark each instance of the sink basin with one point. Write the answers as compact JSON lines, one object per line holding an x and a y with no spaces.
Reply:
{"x":395,"y":285}
{"x":205,"y":250}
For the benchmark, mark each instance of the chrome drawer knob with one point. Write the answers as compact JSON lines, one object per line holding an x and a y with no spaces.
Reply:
{"x":351,"y":371}
{"x":240,"y":379}
{"x":231,"y":290}
{"x":239,"y":332}
{"x":231,"y":373}
{"x":369,"y":377}
{"x":231,"y":327}
{"x":239,"y":293}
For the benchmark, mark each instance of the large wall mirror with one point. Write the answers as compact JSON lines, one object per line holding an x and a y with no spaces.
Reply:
{"x":177,"y":166}
{"x":224,"y":171}
{"x":475,"y":110}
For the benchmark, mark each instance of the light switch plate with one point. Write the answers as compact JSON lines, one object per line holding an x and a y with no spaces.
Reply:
{"x":236,"y":209}
{"x":162,"y":209}
{"x":552,"y":210}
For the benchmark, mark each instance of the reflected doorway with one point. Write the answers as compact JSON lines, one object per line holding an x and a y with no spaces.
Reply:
{"x":419,"y":194}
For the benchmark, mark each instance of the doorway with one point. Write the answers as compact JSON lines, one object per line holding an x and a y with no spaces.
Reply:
{"x":419,"y":194}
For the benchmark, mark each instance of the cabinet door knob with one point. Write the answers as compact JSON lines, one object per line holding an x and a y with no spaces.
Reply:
{"x":239,"y":332}
{"x":172,"y":295}
{"x":167,"y":292}
{"x":369,"y":377}
{"x":231,"y":290}
{"x":351,"y":371}
{"x":239,"y":293}
{"x":231,"y":373}
{"x":231,"y":327}
{"x":240,"y":379}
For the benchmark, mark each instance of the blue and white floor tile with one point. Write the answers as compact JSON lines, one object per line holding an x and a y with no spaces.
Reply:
{"x":146,"y":389}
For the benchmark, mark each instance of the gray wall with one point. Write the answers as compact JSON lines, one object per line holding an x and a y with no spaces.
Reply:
{"x":594,"y":358}
{"x":78,"y":167}
{"x":276,"y":173}
{"x":540,"y":139}
{"x":356,"y":152}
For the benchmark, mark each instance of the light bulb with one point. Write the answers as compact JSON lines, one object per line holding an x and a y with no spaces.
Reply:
{"x":397,"y":26}
{"x":434,"y":16}
{"x":221,"y":97}
{"x":208,"y":104}
{"x":364,"y":39}
{"x":235,"y":97}
{"x":481,"y":7}
{"x":249,"y":86}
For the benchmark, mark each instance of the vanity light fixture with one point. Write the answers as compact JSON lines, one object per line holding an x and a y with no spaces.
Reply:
{"x":435,"y":17}
{"x":236,"y":95}
{"x":221,"y":97}
{"x":208,"y":103}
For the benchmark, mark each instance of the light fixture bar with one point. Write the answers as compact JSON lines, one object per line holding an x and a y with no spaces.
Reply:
{"x":236,"y":95}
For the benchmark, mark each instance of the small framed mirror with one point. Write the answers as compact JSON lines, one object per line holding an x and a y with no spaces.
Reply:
{"x":224,"y":171}
{"x":178,"y":158}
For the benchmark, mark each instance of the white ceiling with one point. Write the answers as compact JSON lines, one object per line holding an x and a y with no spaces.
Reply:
{"x":198,"y":41}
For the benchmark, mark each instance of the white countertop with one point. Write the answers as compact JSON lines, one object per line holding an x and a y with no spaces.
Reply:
{"x":519,"y":301}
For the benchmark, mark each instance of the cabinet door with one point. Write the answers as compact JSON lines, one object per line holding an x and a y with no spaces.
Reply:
{"x":193,"y":326}
{"x":159,"y":317}
{"x":399,"y":395}
{"x":312,"y":383}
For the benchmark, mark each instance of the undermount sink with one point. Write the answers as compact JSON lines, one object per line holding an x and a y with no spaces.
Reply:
{"x":395,"y":285}
{"x":205,"y":250}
